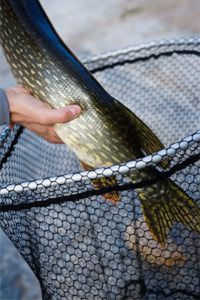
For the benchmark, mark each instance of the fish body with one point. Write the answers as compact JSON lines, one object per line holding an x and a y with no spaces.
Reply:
{"x":48,"y":69}
{"x":106,"y":132}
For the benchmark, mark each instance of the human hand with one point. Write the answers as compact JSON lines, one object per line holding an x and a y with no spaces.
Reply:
{"x":35,"y":115}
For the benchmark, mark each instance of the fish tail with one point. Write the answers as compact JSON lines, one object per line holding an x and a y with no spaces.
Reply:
{"x":165,"y":204}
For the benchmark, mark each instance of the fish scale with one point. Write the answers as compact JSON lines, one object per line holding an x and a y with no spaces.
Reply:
{"x":106,"y":132}
{"x":35,"y":82}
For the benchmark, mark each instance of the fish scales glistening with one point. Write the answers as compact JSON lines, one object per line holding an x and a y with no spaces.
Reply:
{"x":106,"y":132}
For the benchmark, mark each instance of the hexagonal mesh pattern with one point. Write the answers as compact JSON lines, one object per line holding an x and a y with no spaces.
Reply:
{"x":82,"y":246}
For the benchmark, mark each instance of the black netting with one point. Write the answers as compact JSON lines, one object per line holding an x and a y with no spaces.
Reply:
{"x":82,"y":246}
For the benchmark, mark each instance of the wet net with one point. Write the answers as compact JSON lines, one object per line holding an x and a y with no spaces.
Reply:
{"x":82,"y":246}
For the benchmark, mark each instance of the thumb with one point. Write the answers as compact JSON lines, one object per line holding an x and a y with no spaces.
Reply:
{"x":61,"y":115}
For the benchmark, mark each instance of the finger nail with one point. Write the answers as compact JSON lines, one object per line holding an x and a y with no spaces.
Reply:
{"x":75,"y":110}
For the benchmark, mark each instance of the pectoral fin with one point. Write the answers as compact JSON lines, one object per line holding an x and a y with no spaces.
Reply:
{"x":104,"y":182}
{"x":85,"y":166}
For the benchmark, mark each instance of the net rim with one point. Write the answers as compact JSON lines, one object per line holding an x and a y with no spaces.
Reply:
{"x":123,"y":168}
{"x":183,"y":43}
{"x":9,"y":137}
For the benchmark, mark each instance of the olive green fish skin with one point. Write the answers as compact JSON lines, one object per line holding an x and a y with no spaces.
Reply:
{"x":35,"y":69}
{"x":106,"y":133}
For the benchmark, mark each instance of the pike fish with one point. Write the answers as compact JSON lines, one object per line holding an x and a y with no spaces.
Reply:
{"x":106,"y":132}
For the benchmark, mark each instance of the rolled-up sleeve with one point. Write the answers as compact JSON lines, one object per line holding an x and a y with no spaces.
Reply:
{"x":4,"y":108}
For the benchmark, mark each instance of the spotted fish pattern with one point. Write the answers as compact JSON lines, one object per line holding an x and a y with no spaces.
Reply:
{"x":34,"y":68}
{"x":106,"y":132}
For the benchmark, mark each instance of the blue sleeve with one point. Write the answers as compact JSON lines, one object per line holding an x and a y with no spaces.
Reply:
{"x":4,"y":108}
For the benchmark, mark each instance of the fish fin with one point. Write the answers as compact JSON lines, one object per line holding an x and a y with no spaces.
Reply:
{"x":85,"y":166}
{"x":145,"y":138}
{"x":112,"y":196}
{"x":103,"y":182}
{"x":164,"y":204}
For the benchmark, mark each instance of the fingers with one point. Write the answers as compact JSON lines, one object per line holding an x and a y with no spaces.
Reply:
{"x":17,"y":90}
{"x":46,"y":132}
{"x":36,"y":115}
{"x":53,"y":137}
{"x":26,"y":108}
{"x":48,"y":116}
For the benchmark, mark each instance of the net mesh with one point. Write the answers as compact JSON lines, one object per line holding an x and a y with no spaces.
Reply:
{"x":82,"y":246}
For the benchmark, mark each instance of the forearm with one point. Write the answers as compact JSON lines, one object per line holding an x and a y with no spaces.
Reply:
{"x":4,"y":108}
